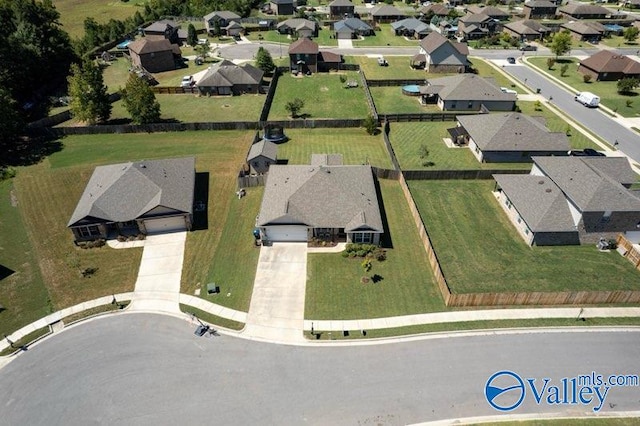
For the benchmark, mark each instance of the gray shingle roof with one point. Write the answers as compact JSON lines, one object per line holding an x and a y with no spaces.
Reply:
{"x":512,"y":131}
{"x":540,"y":3}
{"x":263,"y":148}
{"x":539,"y":201}
{"x":411,"y":24}
{"x":352,"y":24}
{"x":321,"y":197}
{"x":469,"y":87}
{"x":161,"y":26}
{"x":123,"y":192}
{"x":527,"y":26}
{"x":387,"y":10}
{"x":591,"y":184}
{"x":297,"y":23}
{"x":227,"y":74}
{"x":224,"y":14}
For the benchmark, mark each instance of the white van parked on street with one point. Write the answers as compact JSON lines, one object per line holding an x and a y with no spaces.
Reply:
{"x":587,"y":99}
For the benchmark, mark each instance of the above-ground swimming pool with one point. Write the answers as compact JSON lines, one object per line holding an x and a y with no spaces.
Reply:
{"x":411,"y":90}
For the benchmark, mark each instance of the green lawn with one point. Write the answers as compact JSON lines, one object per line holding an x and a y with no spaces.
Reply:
{"x":407,"y":138}
{"x":385,"y":37}
{"x":24,"y":295}
{"x":190,"y":108}
{"x":324,"y":96}
{"x":334,"y":290}
{"x":398,"y":68}
{"x":607,"y":90}
{"x":558,"y":124}
{"x":115,"y":74}
{"x":619,"y":42}
{"x":355,"y":145}
{"x":480,"y":251}
{"x":74,"y":12}
{"x":484,"y":69}
{"x":391,"y":100}
{"x":273,"y":36}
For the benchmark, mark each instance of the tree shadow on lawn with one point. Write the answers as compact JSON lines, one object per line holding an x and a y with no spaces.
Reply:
{"x":31,"y":150}
{"x":5,"y":272}
{"x":564,"y":61}
{"x":385,"y":241}
{"x":201,"y":200}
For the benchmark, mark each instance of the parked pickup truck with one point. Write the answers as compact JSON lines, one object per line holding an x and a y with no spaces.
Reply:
{"x":587,"y":99}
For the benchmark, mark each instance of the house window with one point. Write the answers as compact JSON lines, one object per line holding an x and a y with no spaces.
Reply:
{"x":606,"y":217}
{"x":470,"y":104}
{"x":362,"y":237}
{"x":453,"y":105}
{"x":526,"y":231}
{"x":519,"y":219}
{"x":88,"y":231}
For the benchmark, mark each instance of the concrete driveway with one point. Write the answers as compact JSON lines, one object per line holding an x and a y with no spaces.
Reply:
{"x":158,"y":284}
{"x":277,"y":302}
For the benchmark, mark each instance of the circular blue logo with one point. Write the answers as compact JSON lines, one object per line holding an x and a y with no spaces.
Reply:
{"x":504,"y":390}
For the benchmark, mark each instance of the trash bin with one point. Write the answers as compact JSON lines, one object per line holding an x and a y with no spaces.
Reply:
{"x":538,"y":90}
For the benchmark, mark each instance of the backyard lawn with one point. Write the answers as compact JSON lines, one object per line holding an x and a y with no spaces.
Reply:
{"x":480,"y":251}
{"x":273,"y":36}
{"x":324,"y":95}
{"x":407,"y":138}
{"x":391,"y":100}
{"x":385,"y":37}
{"x":355,"y":145}
{"x":406,"y":283}
{"x":398,"y":68}
{"x":74,"y":12}
{"x":607,"y":90}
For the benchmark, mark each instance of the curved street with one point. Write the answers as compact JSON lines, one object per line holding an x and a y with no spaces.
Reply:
{"x":144,"y":369}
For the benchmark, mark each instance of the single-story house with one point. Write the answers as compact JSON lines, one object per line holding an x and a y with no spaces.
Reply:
{"x":339,"y":9}
{"x":434,"y":9}
{"x":526,"y":30}
{"x":218,"y":20}
{"x":386,"y":13}
{"x":298,"y":26}
{"x":584,"y":31}
{"x":227,"y":78}
{"x":351,"y":28}
{"x":477,"y":25}
{"x":146,"y":197}
{"x":328,"y":61}
{"x":540,"y":9}
{"x":609,"y":66}
{"x":571,"y":200}
{"x":261,"y":156}
{"x":579,"y":10}
{"x":439,"y":54}
{"x":491,"y":11}
{"x":467,"y":92}
{"x":305,"y":56}
{"x":155,"y":55}
{"x":233,"y":29}
{"x":282,"y":7}
{"x":411,"y":27}
{"x":165,"y":29}
{"x":508,"y":137}
{"x":323,"y":200}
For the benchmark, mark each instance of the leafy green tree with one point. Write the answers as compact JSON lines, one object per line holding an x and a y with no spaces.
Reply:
{"x":203,"y":49}
{"x":561,"y":43}
{"x":370,"y":124}
{"x":89,"y":98}
{"x":264,"y":61}
{"x":586,"y":78}
{"x":563,"y":70}
{"x":550,"y":63}
{"x":627,"y":85}
{"x":294,"y":107}
{"x":140,"y":101}
{"x":631,"y":33}
{"x":137,"y":18}
{"x":11,"y":126}
{"x":192,"y":36}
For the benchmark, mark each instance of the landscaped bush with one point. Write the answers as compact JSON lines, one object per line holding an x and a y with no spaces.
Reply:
{"x":360,"y":250}
{"x":91,"y":244}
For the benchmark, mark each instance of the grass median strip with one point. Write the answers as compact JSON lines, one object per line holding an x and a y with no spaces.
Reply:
{"x":26,"y":340}
{"x":212,"y":319}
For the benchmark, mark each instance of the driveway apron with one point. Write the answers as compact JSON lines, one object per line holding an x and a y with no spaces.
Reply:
{"x":277,"y":303}
{"x":158,"y":284}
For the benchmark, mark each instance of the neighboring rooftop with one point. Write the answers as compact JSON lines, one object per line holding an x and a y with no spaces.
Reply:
{"x":611,"y":62}
{"x":467,"y":87}
{"x":226,"y":73}
{"x":263,"y":148}
{"x":144,"y":46}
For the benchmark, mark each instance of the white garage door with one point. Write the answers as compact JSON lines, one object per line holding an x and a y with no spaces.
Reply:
{"x":165,"y":224}
{"x":287,"y":233}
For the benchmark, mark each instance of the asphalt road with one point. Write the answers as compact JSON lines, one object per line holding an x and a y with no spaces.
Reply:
{"x":150,"y":369}
{"x":592,"y":119}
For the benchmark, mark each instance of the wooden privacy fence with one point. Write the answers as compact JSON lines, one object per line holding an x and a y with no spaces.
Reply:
{"x":271,"y":93}
{"x":630,"y":252}
{"x":386,"y":83}
{"x":424,"y":116}
{"x":367,"y":93}
{"x":458,"y":174}
{"x":167,"y":90}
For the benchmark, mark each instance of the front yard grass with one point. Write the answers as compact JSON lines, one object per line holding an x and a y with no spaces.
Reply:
{"x":398,"y":68}
{"x":485,"y":69}
{"x":407,"y":287}
{"x":618,"y":42}
{"x":324,"y":96}
{"x":607,"y":90}
{"x":407,"y":138}
{"x":384,"y":37}
{"x":355,"y":145}
{"x":480,"y":251}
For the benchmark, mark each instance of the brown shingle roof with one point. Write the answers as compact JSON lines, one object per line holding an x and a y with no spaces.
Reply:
{"x":435,"y":40}
{"x":607,"y":61}
{"x":584,"y":9}
{"x":488,"y":10}
{"x":304,"y":46}
{"x":145,"y":45}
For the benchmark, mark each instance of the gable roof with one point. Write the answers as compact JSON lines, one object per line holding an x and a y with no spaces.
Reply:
{"x":226,"y":73}
{"x":223,"y":14}
{"x":539,"y":201}
{"x":491,"y":11}
{"x":304,"y":46}
{"x":592,"y":185}
{"x":584,"y":28}
{"x":437,"y":9}
{"x":341,"y":3}
{"x":351,"y":24}
{"x":540,"y":3}
{"x":584,"y":9}
{"x":161,"y":26}
{"x":297,"y":24}
{"x":467,"y":87}
{"x":527,"y":26}
{"x":126,"y":191}
{"x":263,"y":148}
{"x":512,"y":131}
{"x":282,"y":2}
{"x":329,"y":57}
{"x":144,"y":45}
{"x":608,"y":61}
{"x":475,"y":18}
{"x":321,"y":196}
{"x":232,"y":25}
{"x":435,"y":41}
{"x":411,"y":24}
{"x":386,"y":10}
